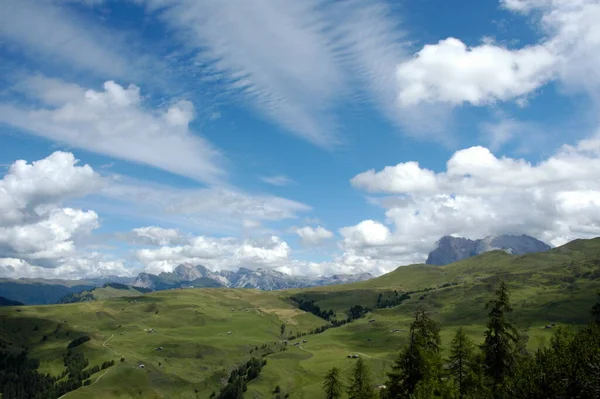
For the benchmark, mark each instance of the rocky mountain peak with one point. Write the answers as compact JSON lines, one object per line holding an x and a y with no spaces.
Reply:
{"x":450,"y":249}
{"x":264,"y":279}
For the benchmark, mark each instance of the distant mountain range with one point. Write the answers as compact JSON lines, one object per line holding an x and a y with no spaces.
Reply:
{"x":48,"y":291}
{"x":187,"y":275}
{"x":449,"y":249}
{"x":452,"y":249}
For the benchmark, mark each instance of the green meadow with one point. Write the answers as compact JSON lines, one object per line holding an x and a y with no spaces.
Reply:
{"x":189,"y":340}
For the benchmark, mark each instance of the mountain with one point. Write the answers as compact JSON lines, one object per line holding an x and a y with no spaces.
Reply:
{"x":451,"y":249}
{"x":8,"y":302}
{"x":41,"y":291}
{"x":186,"y":275}
{"x":107,"y":291}
{"x":188,"y":341}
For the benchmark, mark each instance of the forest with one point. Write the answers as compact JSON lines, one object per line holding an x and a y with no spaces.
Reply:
{"x":500,"y":368}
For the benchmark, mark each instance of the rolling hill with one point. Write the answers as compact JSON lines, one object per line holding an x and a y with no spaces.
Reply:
{"x":107,"y":291}
{"x":203,"y":333}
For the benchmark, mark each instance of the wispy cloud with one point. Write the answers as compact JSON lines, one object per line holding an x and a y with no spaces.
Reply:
{"x":278,"y":180}
{"x":53,"y":33}
{"x":115,"y":122}
{"x":293,"y":61}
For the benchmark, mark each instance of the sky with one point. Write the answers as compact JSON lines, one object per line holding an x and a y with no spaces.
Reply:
{"x":311,"y":137}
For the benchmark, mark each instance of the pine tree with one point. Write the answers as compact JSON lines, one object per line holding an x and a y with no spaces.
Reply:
{"x":361,"y":386}
{"x":418,"y":360}
{"x":461,"y":358}
{"x":501,"y":338}
{"x":332,"y":385}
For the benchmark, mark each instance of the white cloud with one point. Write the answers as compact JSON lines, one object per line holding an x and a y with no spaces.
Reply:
{"x":556,"y":200}
{"x":89,"y":266}
{"x":29,"y":189}
{"x":37,"y":236}
{"x":41,"y":238}
{"x":451,"y":72}
{"x":115,"y":122}
{"x":366,"y":233}
{"x":278,"y":180}
{"x":573,"y":35}
{"x":400,"y":178}
{"x":217,"y":254}
{"x":292,"y":61}
{"x":313,"y":235}
{"x":54,"y":34}
{"x":212,"y":210}
{"x":157,"y":235}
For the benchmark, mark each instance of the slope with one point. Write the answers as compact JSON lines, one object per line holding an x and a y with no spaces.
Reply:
{"x":107,"y":291}
{"x":201,"y":333}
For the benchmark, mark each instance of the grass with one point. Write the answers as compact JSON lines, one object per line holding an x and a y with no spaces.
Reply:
{"x":192,"y":325}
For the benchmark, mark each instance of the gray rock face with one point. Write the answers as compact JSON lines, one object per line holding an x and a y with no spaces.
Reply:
{"x":452,"y":249}
{"x":263,"y":279}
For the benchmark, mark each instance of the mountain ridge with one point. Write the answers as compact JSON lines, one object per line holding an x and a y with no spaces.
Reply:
{"x":451,"y":249}
{"x":186,"y":275}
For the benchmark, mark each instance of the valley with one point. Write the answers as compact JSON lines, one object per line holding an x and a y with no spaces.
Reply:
{"x":203,"y":333}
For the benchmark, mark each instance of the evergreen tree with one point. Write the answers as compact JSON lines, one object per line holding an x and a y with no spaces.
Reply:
{"x":332,"y":385}
{"x":460,"y":362}
{"x":418,"y":360}
{"x":501,"y":338}
{"x":361,"y":386}
{"x":596,"y":310}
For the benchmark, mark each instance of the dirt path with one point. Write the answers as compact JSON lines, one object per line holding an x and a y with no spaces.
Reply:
{"x":105,"y":342}
{"x":103,"y":374}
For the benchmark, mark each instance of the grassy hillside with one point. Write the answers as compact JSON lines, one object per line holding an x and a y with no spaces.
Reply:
{"x":107,"y":291}
{"x":567,"y":271}
{"x":205,"y":333}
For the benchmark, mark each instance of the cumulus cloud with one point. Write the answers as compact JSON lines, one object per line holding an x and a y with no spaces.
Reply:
{"x":451,"y":72}
{"x":116,"y":122}
{"x":84,"y":266}
{"x":37,"y":235}
{"x":41,"y":237}
{"x":454,"y":73}
{"x":312,"y":236}
{"x":27,"y":190}
{"x":217,"y":254}
{"x":406,"y":176}
{"x":556,"y":200}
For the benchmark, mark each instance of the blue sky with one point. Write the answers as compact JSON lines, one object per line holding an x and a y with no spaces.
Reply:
{"x":313,"y":137}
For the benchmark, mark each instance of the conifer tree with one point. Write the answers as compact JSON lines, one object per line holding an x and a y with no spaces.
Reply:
{"x":361,"y":386}
{"x":596,"y":310}
{"x":420,"y":359}
{"x":332,"y":385}
{"x":461,"y":359}
{"x":501,"y":337}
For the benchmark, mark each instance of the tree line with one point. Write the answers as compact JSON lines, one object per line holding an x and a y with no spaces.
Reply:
{"x":20,"y":378}
{"x":500,"y":368}
{"x":238,"y":379}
